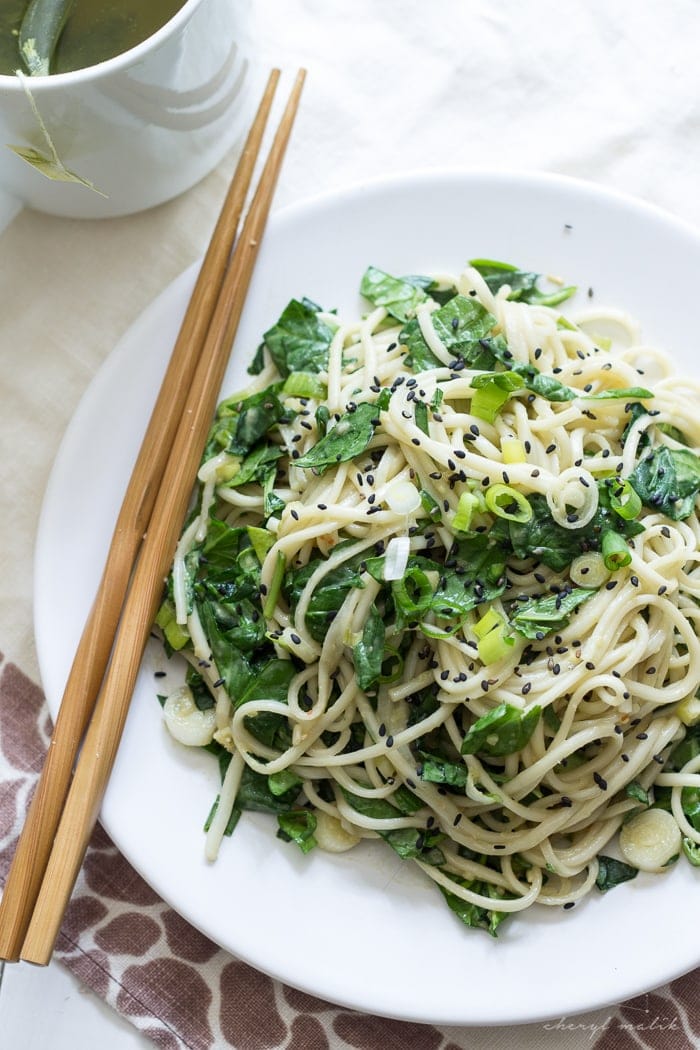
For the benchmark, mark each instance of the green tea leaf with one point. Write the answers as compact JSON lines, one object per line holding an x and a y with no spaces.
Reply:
{"x":40,"y":31}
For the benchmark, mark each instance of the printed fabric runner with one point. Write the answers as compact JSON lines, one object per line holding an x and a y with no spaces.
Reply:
{"x":182,"y":991}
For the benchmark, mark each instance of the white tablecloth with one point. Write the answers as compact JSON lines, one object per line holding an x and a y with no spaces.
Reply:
{"x":608,"y":92}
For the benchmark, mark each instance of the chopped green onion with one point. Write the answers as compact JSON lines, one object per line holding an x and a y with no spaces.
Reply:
{"x":260,"y":540}
{"x":275,"y":586}
{"x":494,"y":646}
{"x":493,"y":389}
{"x":488,"y":402}
{"x":392,"y":665}
{"x":616,"y":553}
{"x":418,"y":597}
{"x":688,"y":711}
{"x":506,"y":502}
{"x":176,"y":634}
{"x":513,"y":451}
{"x":490,"y":620}
{"x":303,"y":384}
{"x":588,"y":570}
{"x":468,"y":503}
{"x":430,"y":506}
{"x":625,"y":501}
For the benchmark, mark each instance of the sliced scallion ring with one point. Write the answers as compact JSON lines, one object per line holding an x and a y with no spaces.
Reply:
{"x":506,"y":502}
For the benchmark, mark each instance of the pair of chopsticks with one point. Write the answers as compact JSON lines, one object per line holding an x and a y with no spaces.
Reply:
{"x":96,"y":699}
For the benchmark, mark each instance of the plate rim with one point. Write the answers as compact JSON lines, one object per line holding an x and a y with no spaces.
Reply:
{"x":292,"y":213}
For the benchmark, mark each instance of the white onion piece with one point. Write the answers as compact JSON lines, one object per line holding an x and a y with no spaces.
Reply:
{"x":396,"y":559}
{"x":649,"y":840}
{"x":185,"y":722}
{"x":402,"y":497}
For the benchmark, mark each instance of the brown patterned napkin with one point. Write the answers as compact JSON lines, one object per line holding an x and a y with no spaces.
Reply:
{"x":182,"y":991}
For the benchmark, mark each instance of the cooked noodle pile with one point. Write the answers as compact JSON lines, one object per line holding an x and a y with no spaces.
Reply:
{"x":440,"y":586}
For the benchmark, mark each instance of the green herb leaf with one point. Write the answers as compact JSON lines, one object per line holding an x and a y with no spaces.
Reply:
{"x":438,"y":770}
{"x":472,"y":914}
{"x":503,"y":731}
{"x":635,"y":790}
{"x":398,"y":295}
{"x":368,"y":654}
{"x":668,"y":480}
{"x":691,"y":850}
{"x":610,"y":395}
{"x":300,"y":340}
{"x":523,"y":283}
{"x":349,"y":437}
{"x":328,"y":596}
{"x":540,"y":616}
{"x":298,"y":826}
{"x":459,"y":324}
{"x":612,"y":872}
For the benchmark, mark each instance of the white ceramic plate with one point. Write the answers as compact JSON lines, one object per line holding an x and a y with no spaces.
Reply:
{"x":362,"y":929}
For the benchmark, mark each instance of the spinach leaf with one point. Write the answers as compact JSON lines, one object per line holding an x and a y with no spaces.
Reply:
{"x":398,"y":295}
{"x":233,"y":665}
{"x":612,"y":872}
{"x":283,"y":782}
{"x":254,"y":794}
{"x":368,"y":654}
{"x":374,"y":808}
{"x":523,"y":283}
{"x":459,"y":324}
{"x":537,"y":382}
{"x":474,"y":572}
{"x":270,"y":682}
{"x":438,"y":770}
{"x":228,"y":558}
{"x":409,"y":842}
{"x":503,"y":731}
{"x":416,"y":843}
{"x":542,"y":538}
{"x":619,"y":392}
{"x":420,"y":412}
{"x":473,"y":914}
{"x":328,"y":596}
{"x":690,"y":801}
{"x":300,"y":340}
{"x":635,"y":790}
{"x":548,"y":387}
{"x":691,"y":850}
{"x":257,"y":465}
{"x":241,"y":422}
{"x":349,"y":437}
{"x":540,"y":616}
{"x":298,"y":825}
{"x":668,"y":480}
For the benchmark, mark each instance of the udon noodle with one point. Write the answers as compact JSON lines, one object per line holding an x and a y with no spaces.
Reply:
{"x":461,"y":609}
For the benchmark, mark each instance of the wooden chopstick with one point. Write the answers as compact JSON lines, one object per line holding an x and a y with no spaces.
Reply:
{"x":104,"y":731}
{"x":90,"y":661}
